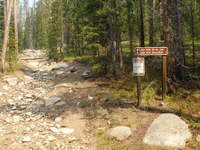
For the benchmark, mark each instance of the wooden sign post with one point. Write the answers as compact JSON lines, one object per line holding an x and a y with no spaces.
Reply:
{"x":137,"y":66}
{"x":138,"y":71}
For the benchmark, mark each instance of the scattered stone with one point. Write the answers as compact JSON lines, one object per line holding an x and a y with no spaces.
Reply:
{"x":12,"y":81}
{"x":51,"y":138}
{"x":34,"y":63}
{"x":52,"y":100}
{"x":5,"y":87}
{"x":62,"y":66}
{"x":54,"y":129}
{"x":61,"y":103}
{"x":73,"y":69}
{"x":26,"y":139}
{"x":198,"y":138}
{"x":162,"y":104}
{"x":85,"y":74}
{"x":120,"y":132}
{"x":58,"y":119}
{"x":12,"y":102}
{"x":67,"y":130}
{"x":168,"y":130}
{"x":101,"y":111}
{"x":90,"y":97}
{"x":59,"y":72}
{"x":17,"y":119}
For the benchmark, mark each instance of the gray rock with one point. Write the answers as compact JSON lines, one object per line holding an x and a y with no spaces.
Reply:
{"x":85,"y":74}
{"x":63,"y":65}
{"x":198,"y":138}
{"x":59,"y":72}
{"x":168,"y":130}
{"x":52,"y":100}
{"x":61,"y":103}
{"x":120,"y":132}
{"x":73,"y":69}
{"x":101,"y":111}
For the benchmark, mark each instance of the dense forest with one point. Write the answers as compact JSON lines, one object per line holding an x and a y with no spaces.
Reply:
{"x":109,"y":30}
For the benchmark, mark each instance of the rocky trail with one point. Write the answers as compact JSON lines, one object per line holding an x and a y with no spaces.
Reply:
{"x":52,"y":106}
{"x":39,"y":105}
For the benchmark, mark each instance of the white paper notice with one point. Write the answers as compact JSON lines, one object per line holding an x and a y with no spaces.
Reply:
{"x":138,"y":66}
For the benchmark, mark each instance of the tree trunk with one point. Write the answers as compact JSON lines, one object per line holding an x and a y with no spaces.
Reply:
{"x":6,"y":33}
{"x":192,"y":32}
{"x":177,"y":30}
{"x":151,"y":22}
{"x":130,"y":31}
{"x":16,"y":9}
{"x":141,"y":19}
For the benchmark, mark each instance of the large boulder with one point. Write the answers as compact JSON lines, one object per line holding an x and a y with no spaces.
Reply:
{"x":120,"y":132}
{"x":168,"y":130}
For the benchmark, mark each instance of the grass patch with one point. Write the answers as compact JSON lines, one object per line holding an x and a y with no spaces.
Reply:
{"x":15,"y":67}
{"x":108,"y":143}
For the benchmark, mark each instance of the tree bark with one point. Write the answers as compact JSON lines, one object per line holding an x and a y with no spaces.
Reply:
{"x":177,"y":30}
{"x":141,"y":14}
{"x":130,"y":31}
{"x":6,"y":33}
{"x":16,"y":11}
{"x":192,"y":32}
{"x":151,"y":21}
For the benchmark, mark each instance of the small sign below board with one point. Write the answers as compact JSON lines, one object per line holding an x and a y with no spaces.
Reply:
{"x":138,"y":66}
{"x":143,"y":51}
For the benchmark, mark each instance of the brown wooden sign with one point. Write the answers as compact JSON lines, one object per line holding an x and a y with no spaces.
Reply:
{"x":143,"y":51}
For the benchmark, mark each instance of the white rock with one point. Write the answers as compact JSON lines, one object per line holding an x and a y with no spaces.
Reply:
{"x":90,"y":98}
{"x":5,"y":87}
{"x":11,"y":102}
{"x":29,"y":95}
{"x":120,"y":132}
{"x":168,"y":130}
{"x":33,"y":63}
{"x":58,"y":119}
{"x":52,"y":100}
{"x":51,"y":138}
{"x":1,"y":94}
{"x":26,"y":139}
{"x":12,"y":81}
{"x":85,"y":74}
{"x":198,"y":138}
{"x":67,"y":130}
{"x":17,"y":119}
{"x":55,"y":130}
